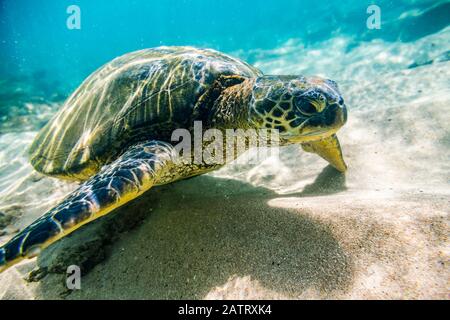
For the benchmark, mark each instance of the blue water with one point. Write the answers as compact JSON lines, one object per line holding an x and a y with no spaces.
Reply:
{"x":34,"y":38}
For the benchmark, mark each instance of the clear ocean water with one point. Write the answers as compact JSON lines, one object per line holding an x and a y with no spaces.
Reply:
{"x":35,"y":40}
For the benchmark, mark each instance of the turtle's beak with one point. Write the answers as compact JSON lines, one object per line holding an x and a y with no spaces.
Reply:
{"x":329,"y":149}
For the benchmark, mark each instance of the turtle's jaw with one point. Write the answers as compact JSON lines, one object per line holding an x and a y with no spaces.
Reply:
{"x":310,"y":135}
{"x":318,"y":135}
{"x":326,"y":145}
{"x":329,"y":149}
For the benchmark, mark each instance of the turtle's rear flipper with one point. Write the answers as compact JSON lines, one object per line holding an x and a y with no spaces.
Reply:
{"x":136,"y":171}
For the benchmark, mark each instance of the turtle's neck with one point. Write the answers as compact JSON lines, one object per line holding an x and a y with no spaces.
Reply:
{"x":231,"y":108}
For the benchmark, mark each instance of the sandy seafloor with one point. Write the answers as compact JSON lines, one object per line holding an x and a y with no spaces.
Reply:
{"x":282,"y":228}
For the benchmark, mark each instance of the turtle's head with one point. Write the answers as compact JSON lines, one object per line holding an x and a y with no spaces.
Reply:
{"x":302,"y":109}
{"x":306,"y":110}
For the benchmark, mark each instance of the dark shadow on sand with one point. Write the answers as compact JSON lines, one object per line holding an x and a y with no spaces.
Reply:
{"x":198,"y":235}
{"x":329,"y":181}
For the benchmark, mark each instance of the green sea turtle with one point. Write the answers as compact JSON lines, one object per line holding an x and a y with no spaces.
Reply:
{"x":114,"y":132}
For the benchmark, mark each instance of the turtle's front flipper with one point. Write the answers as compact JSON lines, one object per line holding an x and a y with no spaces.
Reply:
{"x":136,"y":171}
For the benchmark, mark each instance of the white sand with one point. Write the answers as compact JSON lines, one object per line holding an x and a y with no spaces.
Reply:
{"x":284,"y":228}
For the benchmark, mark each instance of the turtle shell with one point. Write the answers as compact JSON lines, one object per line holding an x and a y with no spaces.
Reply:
{"x":139,"y":96}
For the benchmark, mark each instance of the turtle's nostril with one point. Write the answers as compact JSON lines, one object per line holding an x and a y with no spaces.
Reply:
{"x":329,"y":115}
{"x":344,"y":107}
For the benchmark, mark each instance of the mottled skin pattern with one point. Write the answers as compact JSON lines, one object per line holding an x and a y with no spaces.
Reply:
{"x":114,"y":132}
{"x":132,"y":174}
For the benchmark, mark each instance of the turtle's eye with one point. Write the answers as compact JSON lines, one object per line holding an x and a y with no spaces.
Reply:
{"x":305,"y":106}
